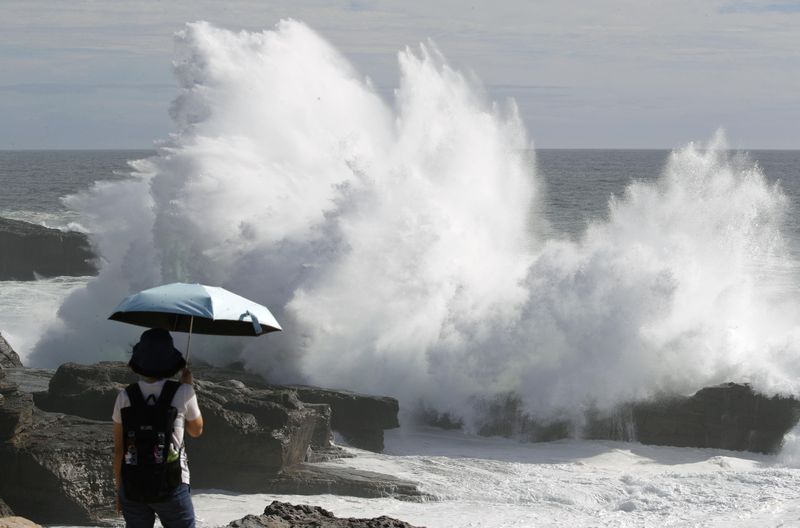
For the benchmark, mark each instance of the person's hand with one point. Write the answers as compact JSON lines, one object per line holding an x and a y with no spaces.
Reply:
{"x":186,"y":376}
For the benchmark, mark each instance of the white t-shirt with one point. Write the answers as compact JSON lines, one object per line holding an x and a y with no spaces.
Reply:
{"x":185,"y":401}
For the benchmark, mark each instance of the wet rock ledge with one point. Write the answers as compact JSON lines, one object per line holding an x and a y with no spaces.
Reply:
{"x":29,"y":250}
{"x":285,"y":515}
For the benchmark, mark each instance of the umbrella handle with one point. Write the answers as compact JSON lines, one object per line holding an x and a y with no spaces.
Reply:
{"x":189,"y":339}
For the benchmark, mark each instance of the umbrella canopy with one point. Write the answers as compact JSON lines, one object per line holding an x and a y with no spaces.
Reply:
{"x":195,"y":308}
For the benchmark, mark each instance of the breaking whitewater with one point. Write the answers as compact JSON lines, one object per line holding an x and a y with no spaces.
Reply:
{"x":405,"y":249}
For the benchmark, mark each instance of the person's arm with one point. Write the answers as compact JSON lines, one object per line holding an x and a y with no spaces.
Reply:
{"x":195,"y":426}
{"x":118,"y":454}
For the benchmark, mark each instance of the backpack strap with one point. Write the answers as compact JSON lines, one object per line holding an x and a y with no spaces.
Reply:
{"x":135,"y":395}
{"x":168,"y":393}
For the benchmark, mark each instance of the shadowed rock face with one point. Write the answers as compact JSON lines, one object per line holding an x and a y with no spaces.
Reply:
{"x":55,"y":467}
{"x":729,"y":416}
{"x":16,"y":409}
{"x":360,"y":418}
{"x":248,"y":432}
{"x":29,"y":249}
{"x":5,"y":511}
{"x":8,"y":357}
{"x":285,"y":515}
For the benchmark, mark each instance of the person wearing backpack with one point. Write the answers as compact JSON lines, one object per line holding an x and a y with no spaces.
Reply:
{"x":150,"y":417}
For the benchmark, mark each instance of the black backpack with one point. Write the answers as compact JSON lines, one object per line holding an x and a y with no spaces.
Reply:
{"x":149,"y":471}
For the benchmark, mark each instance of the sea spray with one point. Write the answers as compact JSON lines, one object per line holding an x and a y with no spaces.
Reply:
{"x":403,"y":249}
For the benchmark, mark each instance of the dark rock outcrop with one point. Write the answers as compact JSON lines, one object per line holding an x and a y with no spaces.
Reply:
{"x":285,"y":515}
{"x":56,"y":468}
{"x":318,"y":479}
{"x":86,"y":390}
{"x":29,"y":249}
{"x":729,"y":416}
{"x":250,"y":435}
{"x":248,"y":432}
{"x":8,"y":357}
{"x":255,"y":439}
{"x":16,"y":409}
{"x":5,"y":511}
{"x":359,"y":418}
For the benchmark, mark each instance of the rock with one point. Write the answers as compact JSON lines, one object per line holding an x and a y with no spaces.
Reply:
{"x":285,"y":515}
{"x":29,"y":379}
{"x":30,"y":250}
{"x":322,"y":437}
{"x":17,"y":522}
{"x":6,"y":385}
{"x":729,"y":416}
{"x":8,"y":358}
{"x":318,"y":479}
{"x":248,"y":432}
{"x":5,"y":511}
{"x":86,"y":390}
{"x":250,"y":435}
{"x":359,"y":418}
{"x":16,"y":414}
{"x":504,"y":416}
{"x":57,"y":469}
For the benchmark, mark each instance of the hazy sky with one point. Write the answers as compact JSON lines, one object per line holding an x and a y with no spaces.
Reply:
{"x":597,"y":73}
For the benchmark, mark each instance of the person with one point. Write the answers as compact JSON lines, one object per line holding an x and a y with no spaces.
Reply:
{"x":156,"y":359}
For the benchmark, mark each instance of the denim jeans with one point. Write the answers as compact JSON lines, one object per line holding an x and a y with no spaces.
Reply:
{"x":176,"y":511}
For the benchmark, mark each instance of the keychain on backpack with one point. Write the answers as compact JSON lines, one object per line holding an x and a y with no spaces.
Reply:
{"x":130,"y":451}
{"x":158,"y":450}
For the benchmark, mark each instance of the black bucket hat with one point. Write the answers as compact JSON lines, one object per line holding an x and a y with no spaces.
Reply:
{"x":154,"y":356}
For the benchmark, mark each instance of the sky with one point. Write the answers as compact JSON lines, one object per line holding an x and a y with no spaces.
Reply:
{"x":593,"y":74}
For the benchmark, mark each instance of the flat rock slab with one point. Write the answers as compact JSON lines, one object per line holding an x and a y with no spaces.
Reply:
{"x":17,"y":522}
{"x":285,"y":515}
{"x":317,"y":479}
{"x":29,"y":379}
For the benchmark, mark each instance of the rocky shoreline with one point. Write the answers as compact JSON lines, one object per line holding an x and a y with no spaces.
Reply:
{"x":56,"y":445}
{"x":285,"y":515}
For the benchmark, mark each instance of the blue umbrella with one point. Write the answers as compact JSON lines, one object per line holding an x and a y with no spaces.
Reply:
{"x":195,"y":308}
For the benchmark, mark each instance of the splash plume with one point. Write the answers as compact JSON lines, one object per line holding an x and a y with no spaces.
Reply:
{"x":402,"y":246}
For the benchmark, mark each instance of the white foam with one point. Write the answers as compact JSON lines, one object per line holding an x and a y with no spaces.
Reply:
{"x":63,"y":220}
{"x":490,"y":482}
{"x":25,"y":306}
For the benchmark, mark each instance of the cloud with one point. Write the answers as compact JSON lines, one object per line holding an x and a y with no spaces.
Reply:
{"x":80,"y":89}
{"x":758,"y":7}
